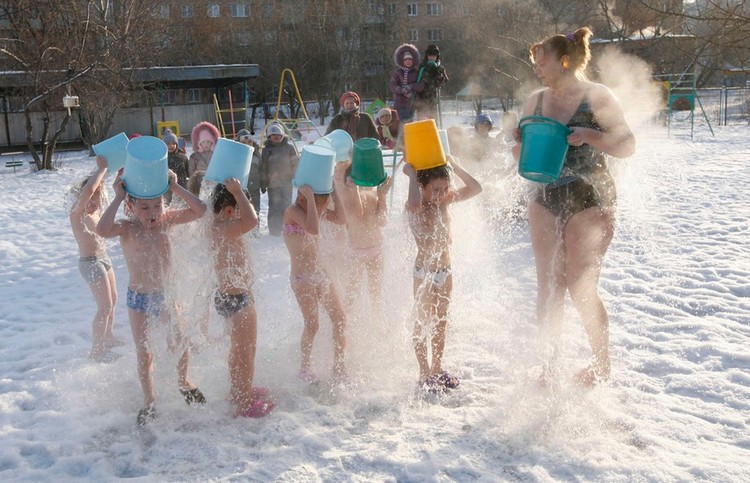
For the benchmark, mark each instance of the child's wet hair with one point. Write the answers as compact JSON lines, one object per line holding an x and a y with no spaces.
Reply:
{"x":424,"y":176}
{"x":222,"y":197}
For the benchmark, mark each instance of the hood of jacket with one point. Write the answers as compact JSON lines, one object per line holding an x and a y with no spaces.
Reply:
{"x":203,"y":126}
{"x":403,"y":48}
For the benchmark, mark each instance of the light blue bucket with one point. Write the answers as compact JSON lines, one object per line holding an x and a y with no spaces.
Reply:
{"x":230,"y":160}
{"x":315,"y":169}
{"x":543,"y":149}
{"x":146,"y":172}
{"x":341,"y":143}
{"x":115,"y":150}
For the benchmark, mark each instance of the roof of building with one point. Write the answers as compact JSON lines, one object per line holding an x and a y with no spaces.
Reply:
{"x":221,"y":75}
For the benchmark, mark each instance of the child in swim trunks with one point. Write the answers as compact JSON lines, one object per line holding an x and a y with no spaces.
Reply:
{"x":430,"y":194}
{"x":366,"y":212}
{"x":234,"y":216}
{"x":310,"y":284}
{"x":94,"y":264}
{"x":144,"y":237}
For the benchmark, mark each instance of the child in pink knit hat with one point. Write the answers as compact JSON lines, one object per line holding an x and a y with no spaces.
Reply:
{"x":204,"y":136}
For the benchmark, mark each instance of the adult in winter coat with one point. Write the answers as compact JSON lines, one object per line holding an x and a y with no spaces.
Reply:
{"x":253,"y":180}
{"x":357,"y":124}
{"x":387,"y":124}
{"x":278,"y":163}
{"x":403,"y":84}
{"x":432,"y":72}
{"x":204,"y":136}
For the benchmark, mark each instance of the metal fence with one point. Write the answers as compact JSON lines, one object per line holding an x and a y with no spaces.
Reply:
{"x":722,"y":106}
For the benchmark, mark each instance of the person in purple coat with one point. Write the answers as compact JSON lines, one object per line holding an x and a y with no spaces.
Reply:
{"x":404,"y":84}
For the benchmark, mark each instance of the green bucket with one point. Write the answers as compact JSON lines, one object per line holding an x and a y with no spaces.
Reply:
{"x":367,"y":163}
{"x":543,"y":149}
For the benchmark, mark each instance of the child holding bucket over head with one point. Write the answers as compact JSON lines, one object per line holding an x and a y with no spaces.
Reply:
{"x":233,"y":217}
{"x":310,"y":283}
{"x":94,"y":264}
{"x":144,"y":237}
{"x":364,"y":201}
{"x":430,"y":194}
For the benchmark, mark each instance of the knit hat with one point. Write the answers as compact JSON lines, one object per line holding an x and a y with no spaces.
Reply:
{"x":432,"y":50}
{"x":274,"y":129}
{"x":242,"y":133}
{"x":385,"y":112}
{"x":483,"y":118}
{"x":169,"y":137}
{"x":407,"y":55}
{"x":352,"y":94}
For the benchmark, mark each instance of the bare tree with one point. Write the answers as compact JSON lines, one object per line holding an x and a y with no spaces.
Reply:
{"x":72,"y":46}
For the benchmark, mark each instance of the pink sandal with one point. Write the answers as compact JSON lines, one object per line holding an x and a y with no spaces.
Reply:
{"x":258,"y":408}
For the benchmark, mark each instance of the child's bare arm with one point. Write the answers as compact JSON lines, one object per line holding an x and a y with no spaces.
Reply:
{"x":107,"y":226}
{"x":381,"y":209}
{"x":414,"y":201}
{"x":248,"y":218}
{"x":337,"y":215}
{"x":471,"y":186}
{"x":347,"y":194}
{"x":91,"y":185}
{"x":312,"y":222}
{"x":196,"y":208}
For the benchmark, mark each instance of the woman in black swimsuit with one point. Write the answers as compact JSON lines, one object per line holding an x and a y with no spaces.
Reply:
{"x":572,"y":219}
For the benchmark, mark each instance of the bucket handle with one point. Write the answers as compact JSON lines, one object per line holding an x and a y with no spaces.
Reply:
{"x":542,"y":119}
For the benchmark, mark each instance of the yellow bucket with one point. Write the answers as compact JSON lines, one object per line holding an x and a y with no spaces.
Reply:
{"x":422,"y":145}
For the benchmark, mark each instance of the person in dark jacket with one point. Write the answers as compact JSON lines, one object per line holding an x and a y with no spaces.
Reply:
{"x":278,"y":164}
{"x":404,"y":84}
{"x":177,"y":161}
{"x":253,"y":180}
{"x":357,"y":124}
{"x":432,"y":72}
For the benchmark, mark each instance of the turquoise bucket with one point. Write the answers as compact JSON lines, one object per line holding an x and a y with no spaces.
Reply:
{"x":146,"y":172}
{"x":341,"y":143}
{"x":543,"y":149}
{"x":367,"y":163}
{"x":115,"y":150}
{"x":230,"y":160}
{"x":315,"y":169}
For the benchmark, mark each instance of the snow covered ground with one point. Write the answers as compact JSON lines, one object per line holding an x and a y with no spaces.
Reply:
{"x":676,"y":282}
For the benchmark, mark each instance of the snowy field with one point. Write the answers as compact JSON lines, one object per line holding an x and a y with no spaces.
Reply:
{"x":676,"y":281}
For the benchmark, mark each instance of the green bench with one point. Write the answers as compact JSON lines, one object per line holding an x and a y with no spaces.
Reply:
{"x":13,"y":163}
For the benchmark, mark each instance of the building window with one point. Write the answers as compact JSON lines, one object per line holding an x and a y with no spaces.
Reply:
{"x":413,"y":35}
{"x":186,"y":11}
{"x":376,"y":8}
{"x":193,"y":96}
{"x":392,"y":9}
{"x":434,"y":35}
{"x":213,"y":10}
{"x":267,"y":9}
{"x":240,"y":10}
{"x":434,"y":9}
{"x":163,"y":11}
{"x":463,"y":9}
{"x":411,"y":9}
{"x":169,"y":97}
